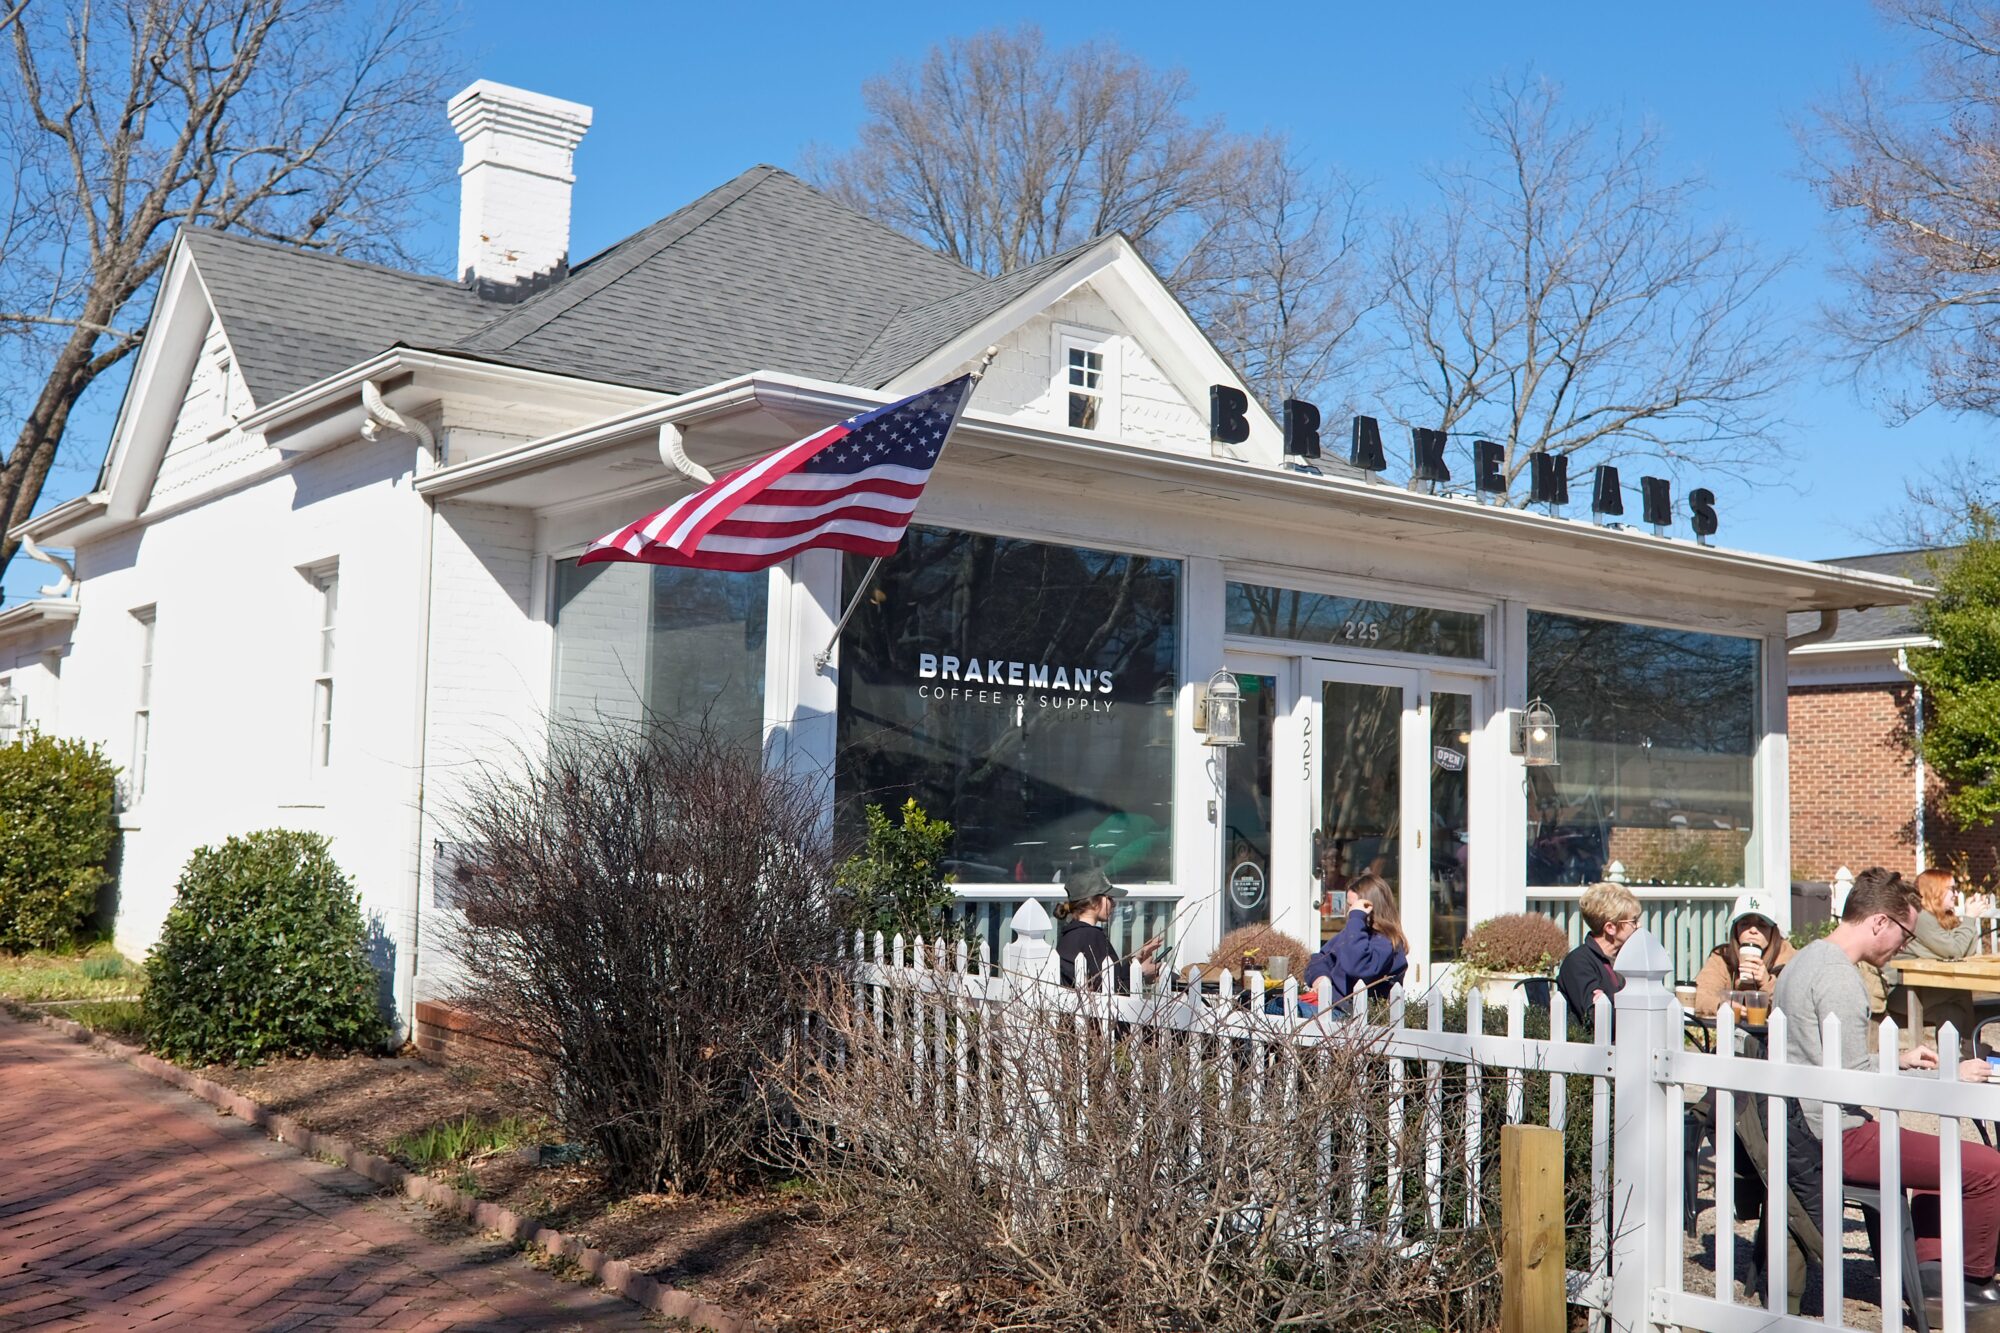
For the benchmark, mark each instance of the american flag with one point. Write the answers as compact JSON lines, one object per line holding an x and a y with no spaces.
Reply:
{"x":851,"y":487}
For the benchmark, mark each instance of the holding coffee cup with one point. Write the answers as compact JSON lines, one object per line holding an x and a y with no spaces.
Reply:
{"x":1750,"y":963}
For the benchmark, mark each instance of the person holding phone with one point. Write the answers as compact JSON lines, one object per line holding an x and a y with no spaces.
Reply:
{"x":1371,"y":949}
{"x":1083,"y":945}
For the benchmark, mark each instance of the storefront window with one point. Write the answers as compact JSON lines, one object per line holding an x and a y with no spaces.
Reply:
{"x":1024,"y":692}
{"x":1657,"y":736}
{"x":646,"y":641}
{"x":1353,"y":622}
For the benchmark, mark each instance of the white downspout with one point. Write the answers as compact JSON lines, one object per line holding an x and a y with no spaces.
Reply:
{"x":62,"y":587}
{"x":381,"y":415}
{"x":1917,"y":727}
{"x":1829,"y":623}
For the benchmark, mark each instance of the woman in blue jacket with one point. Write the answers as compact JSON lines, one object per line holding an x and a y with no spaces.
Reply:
{"x":1371,"y":949}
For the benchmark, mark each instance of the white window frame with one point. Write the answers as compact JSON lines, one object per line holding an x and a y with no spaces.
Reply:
{"x":324,"y":580}
{"x":1110,"y":409}
{"x":147,"y":619}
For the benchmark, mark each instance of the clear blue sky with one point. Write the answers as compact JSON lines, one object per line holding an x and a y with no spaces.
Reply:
{"x":688,"y":95}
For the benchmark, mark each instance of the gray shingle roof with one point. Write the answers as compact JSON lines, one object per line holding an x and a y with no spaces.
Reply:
{"x":294,"y":317}
{"x":1881,"y":622}
{"x":917,"y":332}
{"x":764,"y":273}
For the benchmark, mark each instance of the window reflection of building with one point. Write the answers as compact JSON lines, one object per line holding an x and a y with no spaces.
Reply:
{"x":1353,"y":623}
{"x":648,"y":641}
{"x":1017,"y":689}
{"x":1659,"y":733}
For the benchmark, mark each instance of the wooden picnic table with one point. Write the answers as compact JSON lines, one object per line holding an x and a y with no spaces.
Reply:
{"x":1979,"y":972}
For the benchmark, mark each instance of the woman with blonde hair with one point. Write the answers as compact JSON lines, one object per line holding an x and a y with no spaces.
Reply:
{"x":1371,"y":949}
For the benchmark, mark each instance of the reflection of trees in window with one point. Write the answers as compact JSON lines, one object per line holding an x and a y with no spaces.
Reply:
{"x":1283,"y":613}
{"x":1034,"y":780}
{"x":1658,"y":732}
{"x":1360,"y":785}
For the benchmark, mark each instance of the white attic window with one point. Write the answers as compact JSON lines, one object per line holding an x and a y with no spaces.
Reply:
{"x":1087,"y":379}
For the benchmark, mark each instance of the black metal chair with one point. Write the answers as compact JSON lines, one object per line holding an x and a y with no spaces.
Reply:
{"x":1807,"y":1245}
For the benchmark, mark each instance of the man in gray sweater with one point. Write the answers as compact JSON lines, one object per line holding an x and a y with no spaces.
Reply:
{"x":1825,"y":978}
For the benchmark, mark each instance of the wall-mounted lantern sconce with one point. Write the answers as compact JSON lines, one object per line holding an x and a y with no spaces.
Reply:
{"x":1218,"y":710}
{"x":1535,"y":735}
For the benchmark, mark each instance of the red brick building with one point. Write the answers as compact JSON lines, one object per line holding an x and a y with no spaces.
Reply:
{"x":1859,"y":795}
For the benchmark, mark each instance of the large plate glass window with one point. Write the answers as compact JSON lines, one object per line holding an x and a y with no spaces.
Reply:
{"x":1657,"y":745}
{"x":1022,"y":691}
{"x":640,"y":642}
{"x":1354,"y":622}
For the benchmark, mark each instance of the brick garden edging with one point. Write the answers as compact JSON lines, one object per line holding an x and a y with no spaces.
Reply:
{"x":614,"y":1275}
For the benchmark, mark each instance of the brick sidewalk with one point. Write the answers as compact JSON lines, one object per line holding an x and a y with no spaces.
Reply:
{"x":128,"y":1204}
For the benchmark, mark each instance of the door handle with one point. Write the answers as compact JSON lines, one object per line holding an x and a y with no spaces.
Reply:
{"x":1319,"y":852}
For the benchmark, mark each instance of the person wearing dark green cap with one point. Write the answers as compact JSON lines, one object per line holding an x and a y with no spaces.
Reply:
{"x":1083,"y":945}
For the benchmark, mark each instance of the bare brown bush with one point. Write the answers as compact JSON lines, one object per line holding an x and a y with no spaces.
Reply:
{"x":1080,"y":1174}
{"x":640,"y":909}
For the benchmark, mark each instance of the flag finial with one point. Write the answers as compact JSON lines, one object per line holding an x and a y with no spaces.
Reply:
{"x":985,"y":360}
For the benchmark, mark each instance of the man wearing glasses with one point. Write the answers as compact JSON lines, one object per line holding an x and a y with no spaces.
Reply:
{"x":1825,"y":978}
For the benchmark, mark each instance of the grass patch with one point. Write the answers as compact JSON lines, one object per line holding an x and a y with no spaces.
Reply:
{"x":468,"y":1136}
{"x":124,"y":1020}
{"x":95,"y":972}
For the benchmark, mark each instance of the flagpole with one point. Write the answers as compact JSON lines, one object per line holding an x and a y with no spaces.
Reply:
{"x":825,"y":655}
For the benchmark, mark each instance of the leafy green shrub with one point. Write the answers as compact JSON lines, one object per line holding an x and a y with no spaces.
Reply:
{"x":264,"y":952}
{"x":896,"y":884}
{"x":57,"y":806}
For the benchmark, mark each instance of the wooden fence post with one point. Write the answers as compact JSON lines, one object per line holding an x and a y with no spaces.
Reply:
{"x":1532,"y":1295}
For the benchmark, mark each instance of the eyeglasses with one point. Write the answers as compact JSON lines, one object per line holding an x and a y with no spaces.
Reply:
{"x":1908,"y":931}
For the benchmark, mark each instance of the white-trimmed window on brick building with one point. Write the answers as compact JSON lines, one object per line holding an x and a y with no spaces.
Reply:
{"x":325,"y":581}
{"x":147,"y":621}
{"x":1087,"y":376}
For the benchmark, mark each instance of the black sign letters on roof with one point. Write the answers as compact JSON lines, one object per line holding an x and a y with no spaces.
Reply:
{"x":1607,"y":497}
{"x":1548,"y":473}
{"x":1548,"y":478}
{"x":1427,"y":455}
{"x":1301,"y":429}
{"x":1487,"y":470}
{"x":1228,"y":414}
{"x":1366,"y":451}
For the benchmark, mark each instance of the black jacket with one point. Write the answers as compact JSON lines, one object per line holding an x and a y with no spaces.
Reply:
{"x":1083,"y":943}
{"x":1583,"y":973}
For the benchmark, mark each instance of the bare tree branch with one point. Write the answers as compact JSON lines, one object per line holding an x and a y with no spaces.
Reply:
{"x":308,"y":122}
{"x":1914,"y":182}
{"x":999,"y":151}
{"x":1558,"y":295}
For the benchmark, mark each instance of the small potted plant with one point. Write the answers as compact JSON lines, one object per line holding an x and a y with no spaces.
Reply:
{"x":1505,"y":951}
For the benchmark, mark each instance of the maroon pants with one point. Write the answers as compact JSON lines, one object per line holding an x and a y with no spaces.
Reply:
{"x":1861,"y":1162}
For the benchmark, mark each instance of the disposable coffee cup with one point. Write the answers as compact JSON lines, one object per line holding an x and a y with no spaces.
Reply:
{"x":1747,"y":953}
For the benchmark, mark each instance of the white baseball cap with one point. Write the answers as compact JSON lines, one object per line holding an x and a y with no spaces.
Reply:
{"x":1752,"y":904}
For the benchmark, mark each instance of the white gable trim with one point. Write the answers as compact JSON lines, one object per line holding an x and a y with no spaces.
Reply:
{"x":145,"y":425}
{"x":1151,"y":315}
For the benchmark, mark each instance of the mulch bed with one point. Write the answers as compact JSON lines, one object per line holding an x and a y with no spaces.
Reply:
{"x":787,"y":1260}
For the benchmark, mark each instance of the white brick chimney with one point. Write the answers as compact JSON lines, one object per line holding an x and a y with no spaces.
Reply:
{"x":514,"y":185}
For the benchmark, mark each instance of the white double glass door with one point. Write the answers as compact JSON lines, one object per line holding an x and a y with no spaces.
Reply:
{"x":1349,"y":769}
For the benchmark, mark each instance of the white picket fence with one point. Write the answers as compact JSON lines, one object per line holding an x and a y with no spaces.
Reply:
{"x":1636,"y":1273}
